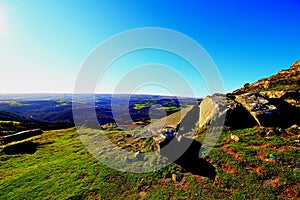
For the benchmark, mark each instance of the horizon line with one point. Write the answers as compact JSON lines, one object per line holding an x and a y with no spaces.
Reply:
{"x":69,"y":93}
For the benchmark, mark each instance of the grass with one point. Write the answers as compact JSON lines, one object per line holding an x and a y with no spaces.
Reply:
{"x":170,"y":108}
{"x":285,"y":85}
{"x":139,"y":106}
{"x":144,"y":122}
{"x":62,"y":168}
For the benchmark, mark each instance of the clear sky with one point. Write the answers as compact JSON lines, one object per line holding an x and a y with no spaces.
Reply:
{"x":43,"y":43}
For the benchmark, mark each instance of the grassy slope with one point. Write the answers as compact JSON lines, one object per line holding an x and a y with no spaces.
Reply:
{"x":62,"y":168}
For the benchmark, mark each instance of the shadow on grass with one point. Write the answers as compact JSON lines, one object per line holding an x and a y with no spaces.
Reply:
{"x":21,"y":148}
{"x":187,"y":148}
{"x":189,"y":160}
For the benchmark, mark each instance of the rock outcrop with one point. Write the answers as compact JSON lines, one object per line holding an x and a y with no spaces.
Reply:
{"x":223,"y":110}
{"x":270,"y":102}
{"x":247,"y":110}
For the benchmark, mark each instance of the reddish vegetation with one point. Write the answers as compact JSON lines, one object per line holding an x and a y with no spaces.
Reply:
{"x":258,"y":170}
{"x":259,"y":146}
{"x":289,"y":193}
{"x":231,"y":170}
{"x":272,"y":182}
{"x":184,"y":184}
{"x":233,"y":153}
{"x":260,"y":155}
{"x":199,"y":180}
{"x":283,"y":148}
{"x":228,"y":168}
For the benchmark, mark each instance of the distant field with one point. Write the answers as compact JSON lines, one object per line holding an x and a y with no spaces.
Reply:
{"x":13,"y":103}
{"x":9,"y":122}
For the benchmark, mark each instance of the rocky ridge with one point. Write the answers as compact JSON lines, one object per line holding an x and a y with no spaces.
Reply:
{"x":284,"y":80}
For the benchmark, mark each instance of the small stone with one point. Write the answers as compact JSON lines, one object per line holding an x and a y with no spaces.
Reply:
{"x":142,"y":194}
{"x":295,"y":126}
{"x":136,"y":154}
{"x":102,"y":151}
{"x":271,"y":160}
{"x":174,"y":177}
{"x":128,"y":135}
{"x":234,"y":138}
{"x":143,"y":180}
{"x":139,"y":155}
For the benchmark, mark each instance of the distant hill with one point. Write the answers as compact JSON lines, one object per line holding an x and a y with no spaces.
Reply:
{"x":9,"y":116}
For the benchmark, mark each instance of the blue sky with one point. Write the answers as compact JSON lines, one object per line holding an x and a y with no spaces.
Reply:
{"x":43,"y":43}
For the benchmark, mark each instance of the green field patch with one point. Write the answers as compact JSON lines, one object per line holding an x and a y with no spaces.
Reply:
{"x":9,"y":122}
{"x":139,"y":106}
{"x":169,"y":109}
{"x":14,"y":103}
